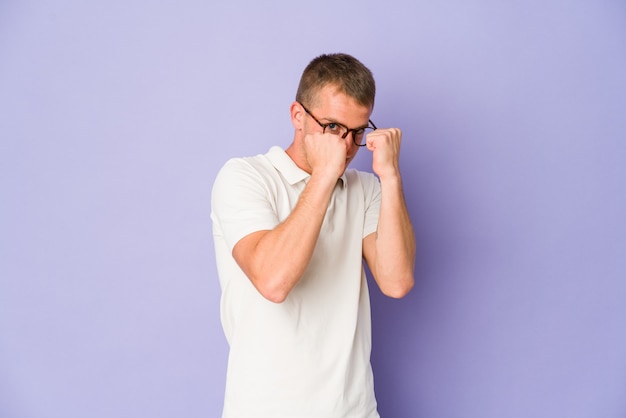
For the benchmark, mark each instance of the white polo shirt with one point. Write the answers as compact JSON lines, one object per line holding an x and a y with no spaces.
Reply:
{"x":310,"y":355}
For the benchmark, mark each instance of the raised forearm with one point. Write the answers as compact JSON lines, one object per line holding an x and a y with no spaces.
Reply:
{"x":275,"y":260}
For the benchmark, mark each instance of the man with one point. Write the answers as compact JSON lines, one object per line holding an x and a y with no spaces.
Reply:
{"x":291,"y":230}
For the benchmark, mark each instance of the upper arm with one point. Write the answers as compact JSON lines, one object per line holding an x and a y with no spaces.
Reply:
{"x":240,"y":204}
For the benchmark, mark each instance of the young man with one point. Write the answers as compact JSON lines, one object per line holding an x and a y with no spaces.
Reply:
{"x":291,"y":230}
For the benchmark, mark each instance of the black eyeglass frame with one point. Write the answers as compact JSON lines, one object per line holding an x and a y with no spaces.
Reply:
{"x":354,"y":131}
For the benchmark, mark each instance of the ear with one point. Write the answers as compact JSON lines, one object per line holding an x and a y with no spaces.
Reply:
{"x":297,"y":115}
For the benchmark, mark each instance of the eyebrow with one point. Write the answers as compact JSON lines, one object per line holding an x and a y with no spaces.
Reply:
{"x":328,"y":120}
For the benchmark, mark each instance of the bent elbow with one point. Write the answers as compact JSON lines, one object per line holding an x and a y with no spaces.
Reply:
{"x":399,"y":290}
{"x":274,"y":291}
{"x":275,"y":297}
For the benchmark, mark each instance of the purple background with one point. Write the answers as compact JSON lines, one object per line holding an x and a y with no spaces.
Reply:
{"x":115,"y":117}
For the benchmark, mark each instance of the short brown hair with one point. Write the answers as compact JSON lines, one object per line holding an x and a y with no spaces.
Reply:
{"x":344,"y":71}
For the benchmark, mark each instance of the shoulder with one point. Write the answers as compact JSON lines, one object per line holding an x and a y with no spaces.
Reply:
{"x":244,"y":178}
{"x":240,"y":165}
{"x":263,"y":164}
{"x":243,"y":169}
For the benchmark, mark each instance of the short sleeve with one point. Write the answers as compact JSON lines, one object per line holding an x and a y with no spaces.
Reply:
{"x":240,"y":202}
{"x":372,"y":196}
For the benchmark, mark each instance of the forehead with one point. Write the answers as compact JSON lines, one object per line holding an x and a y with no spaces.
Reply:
{"x":336,"y":106}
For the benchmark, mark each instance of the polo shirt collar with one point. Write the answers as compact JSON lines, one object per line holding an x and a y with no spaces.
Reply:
{"x":285,"y":165}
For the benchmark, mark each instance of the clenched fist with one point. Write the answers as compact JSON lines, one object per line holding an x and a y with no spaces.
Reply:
{"x":385,"y":147}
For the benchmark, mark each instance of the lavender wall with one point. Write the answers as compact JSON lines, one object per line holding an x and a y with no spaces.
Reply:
{"x":115,"y":117}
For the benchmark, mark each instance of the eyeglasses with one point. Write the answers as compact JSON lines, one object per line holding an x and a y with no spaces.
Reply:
{"x":335,"y":128}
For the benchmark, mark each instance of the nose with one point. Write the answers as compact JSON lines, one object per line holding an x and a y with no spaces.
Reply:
{"x":349,"y":136}
{"x":350,"y":145}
